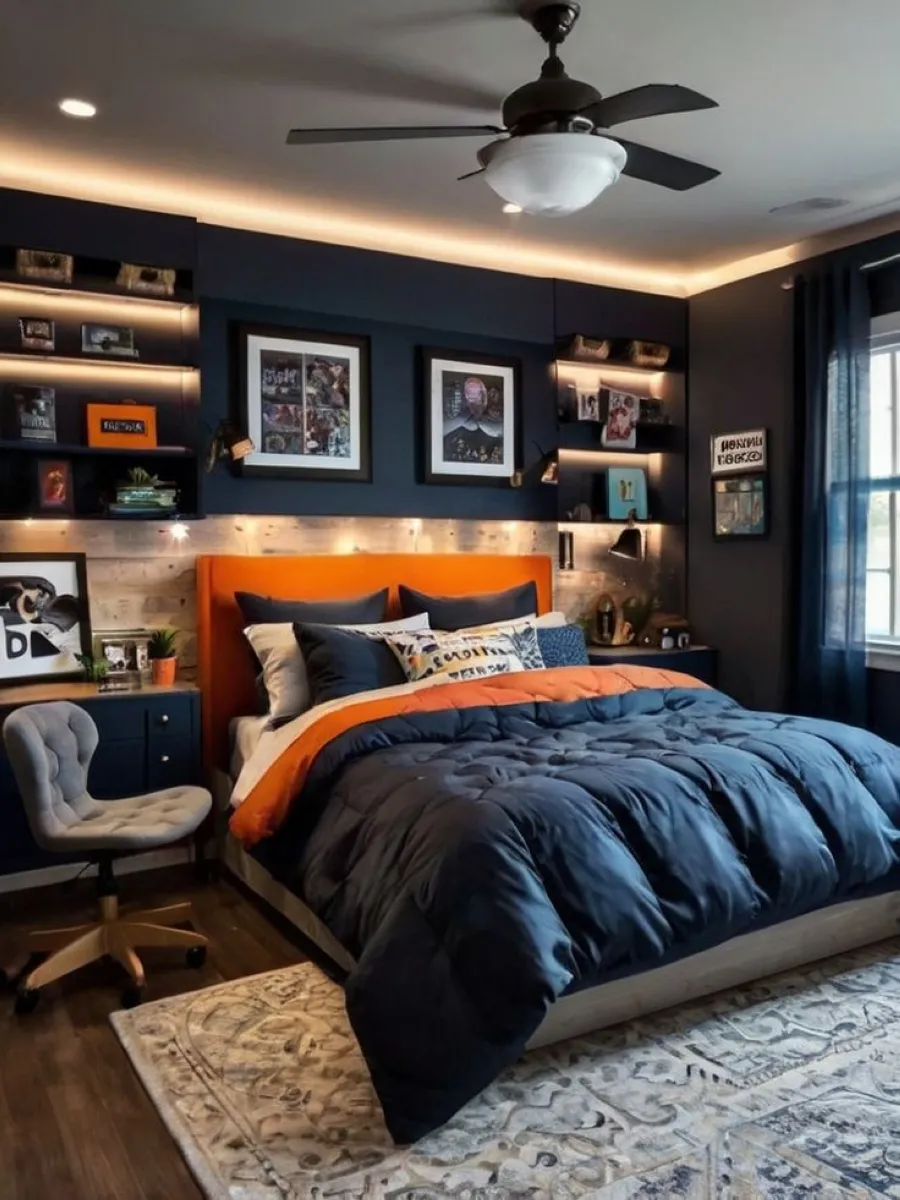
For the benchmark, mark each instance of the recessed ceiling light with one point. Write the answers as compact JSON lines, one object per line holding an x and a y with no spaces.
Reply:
{"x":512,"y":208}
{"x":78,"y":108}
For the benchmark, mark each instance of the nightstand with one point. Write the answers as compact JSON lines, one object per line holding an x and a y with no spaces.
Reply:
{"x":149,"y":740}
{"x":699,"y":661}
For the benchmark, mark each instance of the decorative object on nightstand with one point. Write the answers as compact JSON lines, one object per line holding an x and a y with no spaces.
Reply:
{"x":606,"y":619}
{"x":50,"y":747}
{"x":666,"y":631}
{"x":163,"y":660}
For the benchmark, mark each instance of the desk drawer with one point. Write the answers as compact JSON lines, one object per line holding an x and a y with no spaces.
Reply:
{"x":170,"y":716}
{"x":171,"y":761}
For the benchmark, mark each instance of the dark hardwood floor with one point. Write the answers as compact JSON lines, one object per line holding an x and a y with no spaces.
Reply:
{"x":75,"y":1122}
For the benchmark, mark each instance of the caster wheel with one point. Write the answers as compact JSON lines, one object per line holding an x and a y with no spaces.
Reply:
{"x":196,"y":957}
{"x":26,"y":1001}
{"x":132,"y":997}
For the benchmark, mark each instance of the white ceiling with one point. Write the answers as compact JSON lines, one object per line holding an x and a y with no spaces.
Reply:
{"x":196,"y":97}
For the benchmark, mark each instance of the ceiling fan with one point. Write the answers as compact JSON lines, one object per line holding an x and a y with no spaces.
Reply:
{"x":554,"y":155}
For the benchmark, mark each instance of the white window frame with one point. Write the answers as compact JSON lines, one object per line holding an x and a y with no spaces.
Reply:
{"x":883,"y":652}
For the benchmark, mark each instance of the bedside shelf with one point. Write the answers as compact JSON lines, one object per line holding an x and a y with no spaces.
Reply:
{"x":94,"y":360}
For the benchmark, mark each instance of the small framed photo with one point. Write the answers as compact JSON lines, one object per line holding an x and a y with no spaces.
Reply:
{"x":627,"y":493}
{"x":54,"y":485}
{"x":588,"y":406}
{"x":35,"y":409}
{"x":125,"y":651}
{"x":37,"y":333}
{"x":303,"y":399}
{"x":44,"y":617}
{"x":44,"y":265}
{"x":112,"y":341}
{"x":741,"y":507}
{"x":620,"y":430}
{"x":473,"y":423}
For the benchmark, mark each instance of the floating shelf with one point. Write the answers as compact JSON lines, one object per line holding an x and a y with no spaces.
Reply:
{"x":165,"y":519}
{"x":606,"y":521}
{"x":77,"y":449}
{"x":105,"y":360}
{"x":612,"y":365}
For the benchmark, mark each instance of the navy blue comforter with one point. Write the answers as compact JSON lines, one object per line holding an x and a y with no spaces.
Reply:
{"x":480,"y":863}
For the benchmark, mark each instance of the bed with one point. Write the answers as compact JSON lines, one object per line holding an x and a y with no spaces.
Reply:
{"x":848,"y":778}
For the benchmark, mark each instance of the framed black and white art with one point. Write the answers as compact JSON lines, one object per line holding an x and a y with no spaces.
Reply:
{"x":304,"y":402}
{"x":44,"y":617}
{"x":472,"y":417}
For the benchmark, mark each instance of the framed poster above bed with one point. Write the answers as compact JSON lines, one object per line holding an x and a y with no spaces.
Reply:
{"x":472,"y":417}
{"x":304,"y":400}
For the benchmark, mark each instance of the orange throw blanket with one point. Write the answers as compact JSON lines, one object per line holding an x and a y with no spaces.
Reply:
{"x":267,"y":805}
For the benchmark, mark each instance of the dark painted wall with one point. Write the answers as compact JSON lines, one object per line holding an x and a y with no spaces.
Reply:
{"x":403,"y":304}
{"x":741,"y":377}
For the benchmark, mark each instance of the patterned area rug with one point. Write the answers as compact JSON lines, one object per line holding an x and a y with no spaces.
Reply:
{"x":785,"y":1088}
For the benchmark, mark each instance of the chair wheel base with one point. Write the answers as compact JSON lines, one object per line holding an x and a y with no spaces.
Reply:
{"x":195,"y":957}
{"x":132,"y":997}
{"x":26,"y":1001}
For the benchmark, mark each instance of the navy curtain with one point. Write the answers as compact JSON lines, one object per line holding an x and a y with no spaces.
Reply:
{"x":833,"y":314}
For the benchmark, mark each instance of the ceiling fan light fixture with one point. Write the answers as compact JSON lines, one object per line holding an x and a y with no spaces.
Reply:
{"x":552,"y":174}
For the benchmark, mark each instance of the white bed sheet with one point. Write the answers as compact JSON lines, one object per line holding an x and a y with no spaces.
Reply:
{"x":245,"y":734}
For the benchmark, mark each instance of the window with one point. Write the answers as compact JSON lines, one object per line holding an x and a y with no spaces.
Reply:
{"x":883,"y":557}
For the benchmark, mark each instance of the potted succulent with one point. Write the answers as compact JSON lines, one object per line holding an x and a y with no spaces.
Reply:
{"x":96,"y":670}
{"x":163,"y":660}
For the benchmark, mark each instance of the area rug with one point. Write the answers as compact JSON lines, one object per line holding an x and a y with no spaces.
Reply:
{"x":785,"y":1088}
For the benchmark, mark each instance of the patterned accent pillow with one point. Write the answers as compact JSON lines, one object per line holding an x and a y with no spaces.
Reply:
{"x":461,"y":656}
{"x":564,"y":647}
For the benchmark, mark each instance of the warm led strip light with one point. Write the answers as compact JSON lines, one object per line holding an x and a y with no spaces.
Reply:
{"x":72,"y":371}
{"x":87,"y":306}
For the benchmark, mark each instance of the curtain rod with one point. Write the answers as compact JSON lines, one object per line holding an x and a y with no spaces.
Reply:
{"x":882,"y":262}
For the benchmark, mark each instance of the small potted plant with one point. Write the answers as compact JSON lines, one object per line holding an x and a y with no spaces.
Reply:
{"x":96,"y":670}
{"x":163,"y":660}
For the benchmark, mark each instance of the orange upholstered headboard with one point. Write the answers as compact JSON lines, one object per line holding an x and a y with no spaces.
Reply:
{"x":226,"y":670}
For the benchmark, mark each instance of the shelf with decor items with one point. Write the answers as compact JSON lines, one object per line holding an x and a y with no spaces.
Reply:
{"x":97,"y":382}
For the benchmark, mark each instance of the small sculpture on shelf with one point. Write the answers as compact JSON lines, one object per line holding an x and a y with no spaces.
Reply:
{"x":163,"y":659}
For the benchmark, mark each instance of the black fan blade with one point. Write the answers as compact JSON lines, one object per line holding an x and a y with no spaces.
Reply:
{"x":652,"y":100}
{"x":324,"y":137}
{"x":471,"y":175}
{"x":669,"y":171}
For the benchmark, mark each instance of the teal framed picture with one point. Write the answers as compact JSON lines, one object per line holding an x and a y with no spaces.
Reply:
{"x":626,"y":489}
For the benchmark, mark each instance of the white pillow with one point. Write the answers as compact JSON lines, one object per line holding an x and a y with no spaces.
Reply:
{"x":550,"y":620}
{"x":284,"y":668}
{"x":457,"y":656}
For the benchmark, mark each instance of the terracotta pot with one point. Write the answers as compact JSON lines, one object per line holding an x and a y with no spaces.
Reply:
{"x":163,"y":671}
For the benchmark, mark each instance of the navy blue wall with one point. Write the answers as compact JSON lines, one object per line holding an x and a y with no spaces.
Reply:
{"x":400,"y":303}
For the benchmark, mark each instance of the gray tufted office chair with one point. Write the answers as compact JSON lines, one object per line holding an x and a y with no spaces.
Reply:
{"x":50,"y":747}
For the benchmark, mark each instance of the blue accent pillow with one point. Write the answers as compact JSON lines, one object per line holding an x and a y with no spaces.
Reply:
{"x":564,"y":646}
{"x":450,"y":613}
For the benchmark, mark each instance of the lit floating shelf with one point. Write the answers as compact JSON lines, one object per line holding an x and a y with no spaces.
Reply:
{"x":98,"y":292}
{"x":630,"y":368}
{"x":77,"y":449}
{"x":105,"y":361}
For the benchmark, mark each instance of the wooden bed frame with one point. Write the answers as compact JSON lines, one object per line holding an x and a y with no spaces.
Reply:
{"x":227,"y":681}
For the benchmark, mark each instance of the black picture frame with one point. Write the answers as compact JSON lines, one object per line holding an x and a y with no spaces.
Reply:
{"x":13,"y":629}
{"x":436,"y":472}
{"x":247,"y":403}
{"x":747,"y":483}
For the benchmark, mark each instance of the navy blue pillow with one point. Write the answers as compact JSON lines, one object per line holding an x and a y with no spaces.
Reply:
{"x":563,"y":646}
{"x":340,"y":663}
{"x":267,"y":610}
{"x":459,"y":612}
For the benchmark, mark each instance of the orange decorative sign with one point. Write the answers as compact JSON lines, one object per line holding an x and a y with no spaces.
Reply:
{"x":127,"y":426}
